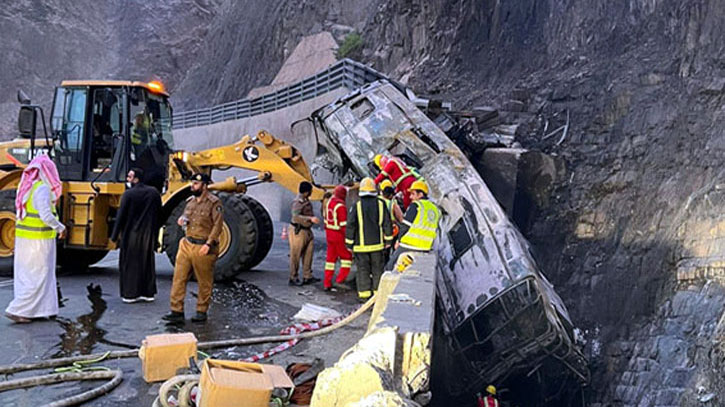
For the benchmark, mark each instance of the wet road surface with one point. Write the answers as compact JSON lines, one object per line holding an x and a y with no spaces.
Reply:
{"x":93,"y":319}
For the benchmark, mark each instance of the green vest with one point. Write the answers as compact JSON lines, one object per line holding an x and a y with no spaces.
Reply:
{"x":422,"y":231}
{"x":31,"y":227}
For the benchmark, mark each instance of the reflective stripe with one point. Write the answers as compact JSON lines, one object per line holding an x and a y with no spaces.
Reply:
{"x":334,"y":224}
{"x":404,"y":171}
{"x":364,"y":294}
{"x":329,"y":266}
{"x":345,"y":263}
{"x":360,"y":225}
{"x":31,"y":226}
{"x":422,"y":232}
{"x":362,"y":247}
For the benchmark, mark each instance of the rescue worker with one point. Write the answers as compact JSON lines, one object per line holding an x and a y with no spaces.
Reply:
{"x":490,"y":400}
{"x":399,"y":174}
{"x":202,"y":222}
{"x":335,"y":222}
{"x":301,"y":238}
{"x":369,"y":231}
{"x":396,"y":214}
{"x":420,"y":224}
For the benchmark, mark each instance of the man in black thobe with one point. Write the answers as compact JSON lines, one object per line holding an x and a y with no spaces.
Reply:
{"x":137,"y":223}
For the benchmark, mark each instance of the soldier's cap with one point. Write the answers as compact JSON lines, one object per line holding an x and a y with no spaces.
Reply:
{"x":201,"y":177}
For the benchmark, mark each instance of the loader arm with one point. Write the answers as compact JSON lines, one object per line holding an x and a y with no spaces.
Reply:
{"x":273,"y":159}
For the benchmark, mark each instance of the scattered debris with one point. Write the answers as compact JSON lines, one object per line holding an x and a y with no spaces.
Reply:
{"x":304,"y":376}
{"x":313,"y":312}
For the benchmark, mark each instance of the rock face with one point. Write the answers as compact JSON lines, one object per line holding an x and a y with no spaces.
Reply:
{"x":43,"y":43}
{"x":631,"y":236}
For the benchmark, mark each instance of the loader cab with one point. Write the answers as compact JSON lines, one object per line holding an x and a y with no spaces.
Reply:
{"x":101,"y":129}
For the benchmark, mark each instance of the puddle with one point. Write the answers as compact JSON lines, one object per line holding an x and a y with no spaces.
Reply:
{"x":82,"y":335}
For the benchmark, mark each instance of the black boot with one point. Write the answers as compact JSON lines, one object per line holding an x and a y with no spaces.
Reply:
{"x":174,"y":316}
{"x":199,"y":317}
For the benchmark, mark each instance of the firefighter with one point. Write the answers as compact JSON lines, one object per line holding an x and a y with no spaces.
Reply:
{"x":202,"y":222}
{"x":420,"y":224}
{"x":369,"y":232}
{"x":399,"y":174}
{"x":335,"y":215}
{"x":301,"y":238}
{"x":396,"y":214}
{"x":490,"y":400}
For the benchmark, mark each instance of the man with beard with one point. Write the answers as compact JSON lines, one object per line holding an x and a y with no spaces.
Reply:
{"x":198,"y":250}
{"x":137,"y":224}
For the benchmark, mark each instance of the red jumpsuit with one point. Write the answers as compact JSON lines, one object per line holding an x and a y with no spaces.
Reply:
{"x":335,"y":221}
{"x":488,"y":401}
{"x":400,"y":175}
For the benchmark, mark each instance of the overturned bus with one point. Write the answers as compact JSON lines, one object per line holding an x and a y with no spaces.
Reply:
{"x":498,"y":314}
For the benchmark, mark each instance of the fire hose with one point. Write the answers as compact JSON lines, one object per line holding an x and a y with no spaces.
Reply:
{"x":116,"y":374}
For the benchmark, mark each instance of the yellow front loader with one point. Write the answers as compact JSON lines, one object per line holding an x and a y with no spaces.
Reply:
{"x":99,"y":130}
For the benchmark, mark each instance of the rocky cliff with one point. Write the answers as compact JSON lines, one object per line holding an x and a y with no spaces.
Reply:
{"x":43,"y":43}
{"x":628,"y":94}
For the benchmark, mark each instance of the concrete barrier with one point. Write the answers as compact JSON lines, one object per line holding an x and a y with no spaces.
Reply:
{"x":390,"y":365}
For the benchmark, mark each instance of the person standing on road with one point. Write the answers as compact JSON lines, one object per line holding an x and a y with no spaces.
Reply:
{"x":369,"y":231}
{"x":301,"y":239}
{"x":202,"y":222}
{"x":137,"y":223}
{"x":36,"y":229}
{"x":335,"y":222}
{"x":420,"y":224}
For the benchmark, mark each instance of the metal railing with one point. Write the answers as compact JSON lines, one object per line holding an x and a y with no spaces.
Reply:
{"x":345,"y":73}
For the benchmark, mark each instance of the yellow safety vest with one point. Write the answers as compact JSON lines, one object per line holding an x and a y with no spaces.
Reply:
{"x":31,"y":226}
{"x":422,"y":231}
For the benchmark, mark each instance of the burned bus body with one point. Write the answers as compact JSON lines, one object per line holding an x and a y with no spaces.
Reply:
{"x":498,"y":313}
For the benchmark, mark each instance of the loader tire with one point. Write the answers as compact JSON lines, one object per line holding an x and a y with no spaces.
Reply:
{"x":73,"y":259}
{"x":237,"y":252}
{"x":265,"y":229}
{"x":7,"y":232}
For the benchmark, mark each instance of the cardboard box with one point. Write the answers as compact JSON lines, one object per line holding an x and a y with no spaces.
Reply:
{"x":226,"y":383}
{"x":163,"y":355}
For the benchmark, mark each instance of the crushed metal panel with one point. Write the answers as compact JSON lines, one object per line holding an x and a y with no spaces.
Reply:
{"x":483,"y":261}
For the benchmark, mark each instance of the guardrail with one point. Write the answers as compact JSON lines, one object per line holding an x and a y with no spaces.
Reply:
{"x":345,"y":73}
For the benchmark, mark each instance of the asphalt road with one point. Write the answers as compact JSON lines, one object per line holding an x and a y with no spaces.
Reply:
{"x":93,"y":319}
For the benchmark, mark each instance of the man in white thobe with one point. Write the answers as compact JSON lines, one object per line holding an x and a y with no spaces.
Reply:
{"x":36,"y":229}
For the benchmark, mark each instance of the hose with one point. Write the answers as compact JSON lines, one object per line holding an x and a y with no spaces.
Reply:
{"x":202,"y":345}
{"x":185,"y":393}
{"x":114,"y":375}
{"x":66,"y":361}
{"x":281,"y":338}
